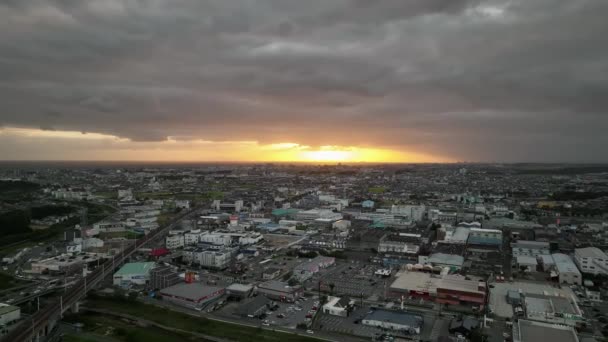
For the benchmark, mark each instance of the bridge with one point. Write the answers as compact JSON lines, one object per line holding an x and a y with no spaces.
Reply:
{"x":41,"y":323}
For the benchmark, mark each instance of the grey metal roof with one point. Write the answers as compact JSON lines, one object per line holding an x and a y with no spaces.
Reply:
{"x":193,"y":291}
{"x":404,"y":318}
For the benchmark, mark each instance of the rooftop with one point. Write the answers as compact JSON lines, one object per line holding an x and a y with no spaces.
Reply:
{"x":192,"y":291}
{"x":528,"y":331}
{"x":405,"y":318}
{"x":5,"y":308}
{"x":136,"y":268}
{"x":591,"y":252}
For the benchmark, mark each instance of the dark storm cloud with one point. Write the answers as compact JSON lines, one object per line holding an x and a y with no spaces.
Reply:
{"x":474,"y":80}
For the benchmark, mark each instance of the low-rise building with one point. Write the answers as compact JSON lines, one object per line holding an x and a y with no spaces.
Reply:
{"x":480,"y":236}
{"x":402,"y":243}
{"x":567,"y":271}
{"x":280,"y":291}
{"x":591,"y":260}
{"x":191,"y":295}
{"x":338,"y":306}
{"x":530,"y":248}
{"x":174,"y":241}
{"x":135,"y":273}
{"x":529,"y":331}
{"x":239,"y":291}
{"x":552,"y":309}
{"x":9,"y":314}
{"x":306,"y":270}
{"x":163,"y":277}
{"x":405,"y":322}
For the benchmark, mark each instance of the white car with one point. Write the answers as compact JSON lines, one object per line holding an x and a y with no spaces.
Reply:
{"x":310,"y":332}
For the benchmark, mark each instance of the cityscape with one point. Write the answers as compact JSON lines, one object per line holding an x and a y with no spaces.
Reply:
{"x":303,"y":170}
{"x":342,"y":252}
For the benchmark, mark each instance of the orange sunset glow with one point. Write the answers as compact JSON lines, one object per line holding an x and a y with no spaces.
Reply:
{"x":46,"y":144}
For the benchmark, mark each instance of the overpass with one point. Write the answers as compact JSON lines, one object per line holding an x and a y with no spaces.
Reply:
{"x":42,"y":322}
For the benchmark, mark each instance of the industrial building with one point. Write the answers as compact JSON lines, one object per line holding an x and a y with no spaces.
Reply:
{"x":255,"y":307}
{"x":280,"y":291}
{"x":444,"y":289}
{"x":405,"y":322}
{"x":163,"y":277}
{"x":191,"y":295}
{"x":529,"y":331}
{"x":552,"y":309}
{"x":591,"y":260}
{"x":65,"y":263}
{"x":135,"y":273}
{"x":239,"y":290}
{"x":567,"y":271}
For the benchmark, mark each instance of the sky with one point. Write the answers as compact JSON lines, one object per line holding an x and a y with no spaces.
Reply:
{"x":313,"y":80}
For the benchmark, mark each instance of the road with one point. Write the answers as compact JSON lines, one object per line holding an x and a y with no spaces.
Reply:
{"x":40,"y":320}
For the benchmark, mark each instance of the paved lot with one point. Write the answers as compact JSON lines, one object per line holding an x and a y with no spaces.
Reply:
{"x":294,"y":313}
{"x":353,"y":279}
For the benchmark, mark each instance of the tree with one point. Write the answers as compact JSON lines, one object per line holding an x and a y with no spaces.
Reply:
{"x":292,"y":282}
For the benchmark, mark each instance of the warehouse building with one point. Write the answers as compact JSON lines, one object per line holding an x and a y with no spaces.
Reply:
{"x":444,"y":289}
{"x":135,"y":273}
{"x":405,"y":322}
{"x":552,"y":309}
{"x":280,"y":291}
{"x":191,"y":295}
{"x":255,"y":307}
{"x":9,"y":314}
{"x":163,"y":277}
{"x":239,"y":291}
{"x":567,"y":271}
{"x":528,"y":331}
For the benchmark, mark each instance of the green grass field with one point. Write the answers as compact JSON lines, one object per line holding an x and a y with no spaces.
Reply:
{"x":99,"y":328}
{"x":196,"y":324}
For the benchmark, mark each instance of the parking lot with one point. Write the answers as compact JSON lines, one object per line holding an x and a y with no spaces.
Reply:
{"x":287,"y":315}
{"x":352,"y":279}
{"x":352,"y":324}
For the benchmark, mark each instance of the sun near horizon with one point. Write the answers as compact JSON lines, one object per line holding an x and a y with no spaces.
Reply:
{"x":74,"y":145}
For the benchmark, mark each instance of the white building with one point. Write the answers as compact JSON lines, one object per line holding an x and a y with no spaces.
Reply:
{"x":174,"y":241}
{"x":183,"y":204}
{"x":109,"y":226}
{"x":338,"y":306}
{"x":414,"y":212}
{"x":567,"y":271}
{"x":216,"y":239}
{"x":314,"y":214}
{"x":135,"y":273}
{"x":400,"y":243}
{"x":192,"y":237}
{"x":9,"y":314}
{"x":591,"y":260}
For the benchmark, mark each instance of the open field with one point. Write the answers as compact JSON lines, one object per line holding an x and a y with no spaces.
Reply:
{"x":195,"y":324}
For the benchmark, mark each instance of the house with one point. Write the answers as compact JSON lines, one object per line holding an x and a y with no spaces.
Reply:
{"x":338,"y":306}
